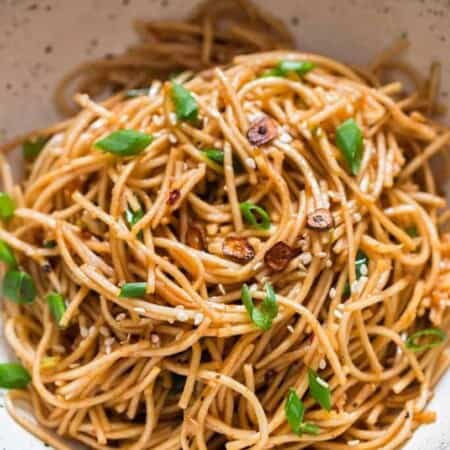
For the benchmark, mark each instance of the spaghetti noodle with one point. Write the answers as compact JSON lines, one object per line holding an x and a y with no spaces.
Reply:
{"x":249,"y":257}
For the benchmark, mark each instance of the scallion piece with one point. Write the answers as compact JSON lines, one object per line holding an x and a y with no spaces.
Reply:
{"x":263,"y":316}
{"x":49,"y":244}
{"x":186,"y":107}
{"x":438,"y":335}
{"x":133,"y":290}
{"x":294,"y":409}
{"x":254,"y":215}
{"x":301,"y":68}
{"x":7,"y":255}
{"x":57,"y":306}
{"x":7,"y":206}
{"x":133,"y":217}
{"x":286,"y":67}
{"x":349,"y":140}
{"x":125,"y":142}
{"x":319,"y":390}
{"x":361,"y":260}
{"x":214,"y":155}
{"x":33,"y":147}
{"x":19,"y":287}
{"x":13,"y":376}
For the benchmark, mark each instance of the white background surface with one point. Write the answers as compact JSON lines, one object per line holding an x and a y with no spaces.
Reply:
{"x":40,"y":40}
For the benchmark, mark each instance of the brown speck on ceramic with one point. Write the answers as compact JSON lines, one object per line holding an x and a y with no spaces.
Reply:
{"x":8,"y":86}
{"x":48,"y":8}
{"x":294,"y":21}
{"x":33,"y":7}
{"x":48,"y":49}
{"x":164,"y":3}
{"x":125,"y":2}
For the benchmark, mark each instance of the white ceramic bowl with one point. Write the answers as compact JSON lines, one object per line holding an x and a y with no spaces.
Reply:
{"x":40,"y":40}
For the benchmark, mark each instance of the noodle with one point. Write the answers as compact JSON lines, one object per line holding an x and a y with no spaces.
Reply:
{"x":185,"y":364}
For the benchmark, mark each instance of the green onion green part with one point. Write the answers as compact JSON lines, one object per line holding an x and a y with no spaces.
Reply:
{"x":133,"y":217}
{"x":349,"y":140}
{"x":13,"y":376}
{"x":263,"y":316}
{"x":438,"y":337}
{"x":49,"y":244}
{"x":186,"y":107}
{"x":286,"y":67}
{"x":125,"y":142}
{"x":19,"y":287}
{"x":214,"y":155}
{"x":133,"y":290}
{"x":7,"y":206}
{"x":57,"y":306}
{"x":7,"y":255}
{"x":254,"y":215}
{"x":319,"y":390}
{"x":294,"y":409}
{"x":31,"y":148}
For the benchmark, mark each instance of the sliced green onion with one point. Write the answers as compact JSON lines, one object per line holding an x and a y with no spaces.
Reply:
{"x":49,"y":244}
{"x":286,"y":67}
{"x":294,"y":409}
{"x":349,"y":140}
{"x":319,"y":390}
{"x":33,"y":147}
{"x":19,"y":287}
{"x":301,"y":68}
{"x":186,"y":107}
{"x":57,"y":306}
{"x":214,"y":155}
{"x":412,"y":231}
{"x":133,"y":93}
{"x":260,"y":220}
{"x":7,"y":206}
{"x":133,"y":290}
{"x":263,"y":316}
{"x":133,"y":217}
{"x":439,"y":337}
{"x":309,"y":428}
{"x":7,"y":255}
{"x":360,"y":261}
{"x":125,"y":142}
{"x":13,"y":376}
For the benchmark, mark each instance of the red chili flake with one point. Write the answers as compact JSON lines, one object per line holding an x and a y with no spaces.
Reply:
{"x":262,"y":131}
{"x":320,"y":219}
{"x":195,"y":237}
{"x":278,"y":257}
{"x":173,"y":197}
{"x":238,"y":249}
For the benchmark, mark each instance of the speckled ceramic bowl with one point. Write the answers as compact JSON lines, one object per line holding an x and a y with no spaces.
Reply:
{"x":41,"y":39}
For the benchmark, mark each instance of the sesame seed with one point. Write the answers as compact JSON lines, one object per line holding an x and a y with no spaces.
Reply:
{"x":98,"y":124}
{"x":332,"y":292}
{"x":221,"y":289}
{"x":305,"y":258}
{"x":172,"y":118}
{"x":156,"y":341}
{"x":121,"y":316}
{"x":253,"y":287}
{"x":182,"y":316}
{"x":353,"y":442}
{"x":322,"y":254}
{"x":158,"y":120}
{"x":258,"y":265}
{"x":198,"y":318}
{"x":290,"y":328}
{"x":322,"y":364}
{"x":92,"y":330}
{"x":250,"y":163}
{"x":363,"y":269}
{"x":139,"y":310}
{"x":172,"y":138}
{"x":285,"y":138}
{"x":357,"y":217}
{"x":354,"y":287}
{"x":338,"y":314}
{"x":154,"y":89}
{"x":328,"y":263}
{"x":84,"y":332}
